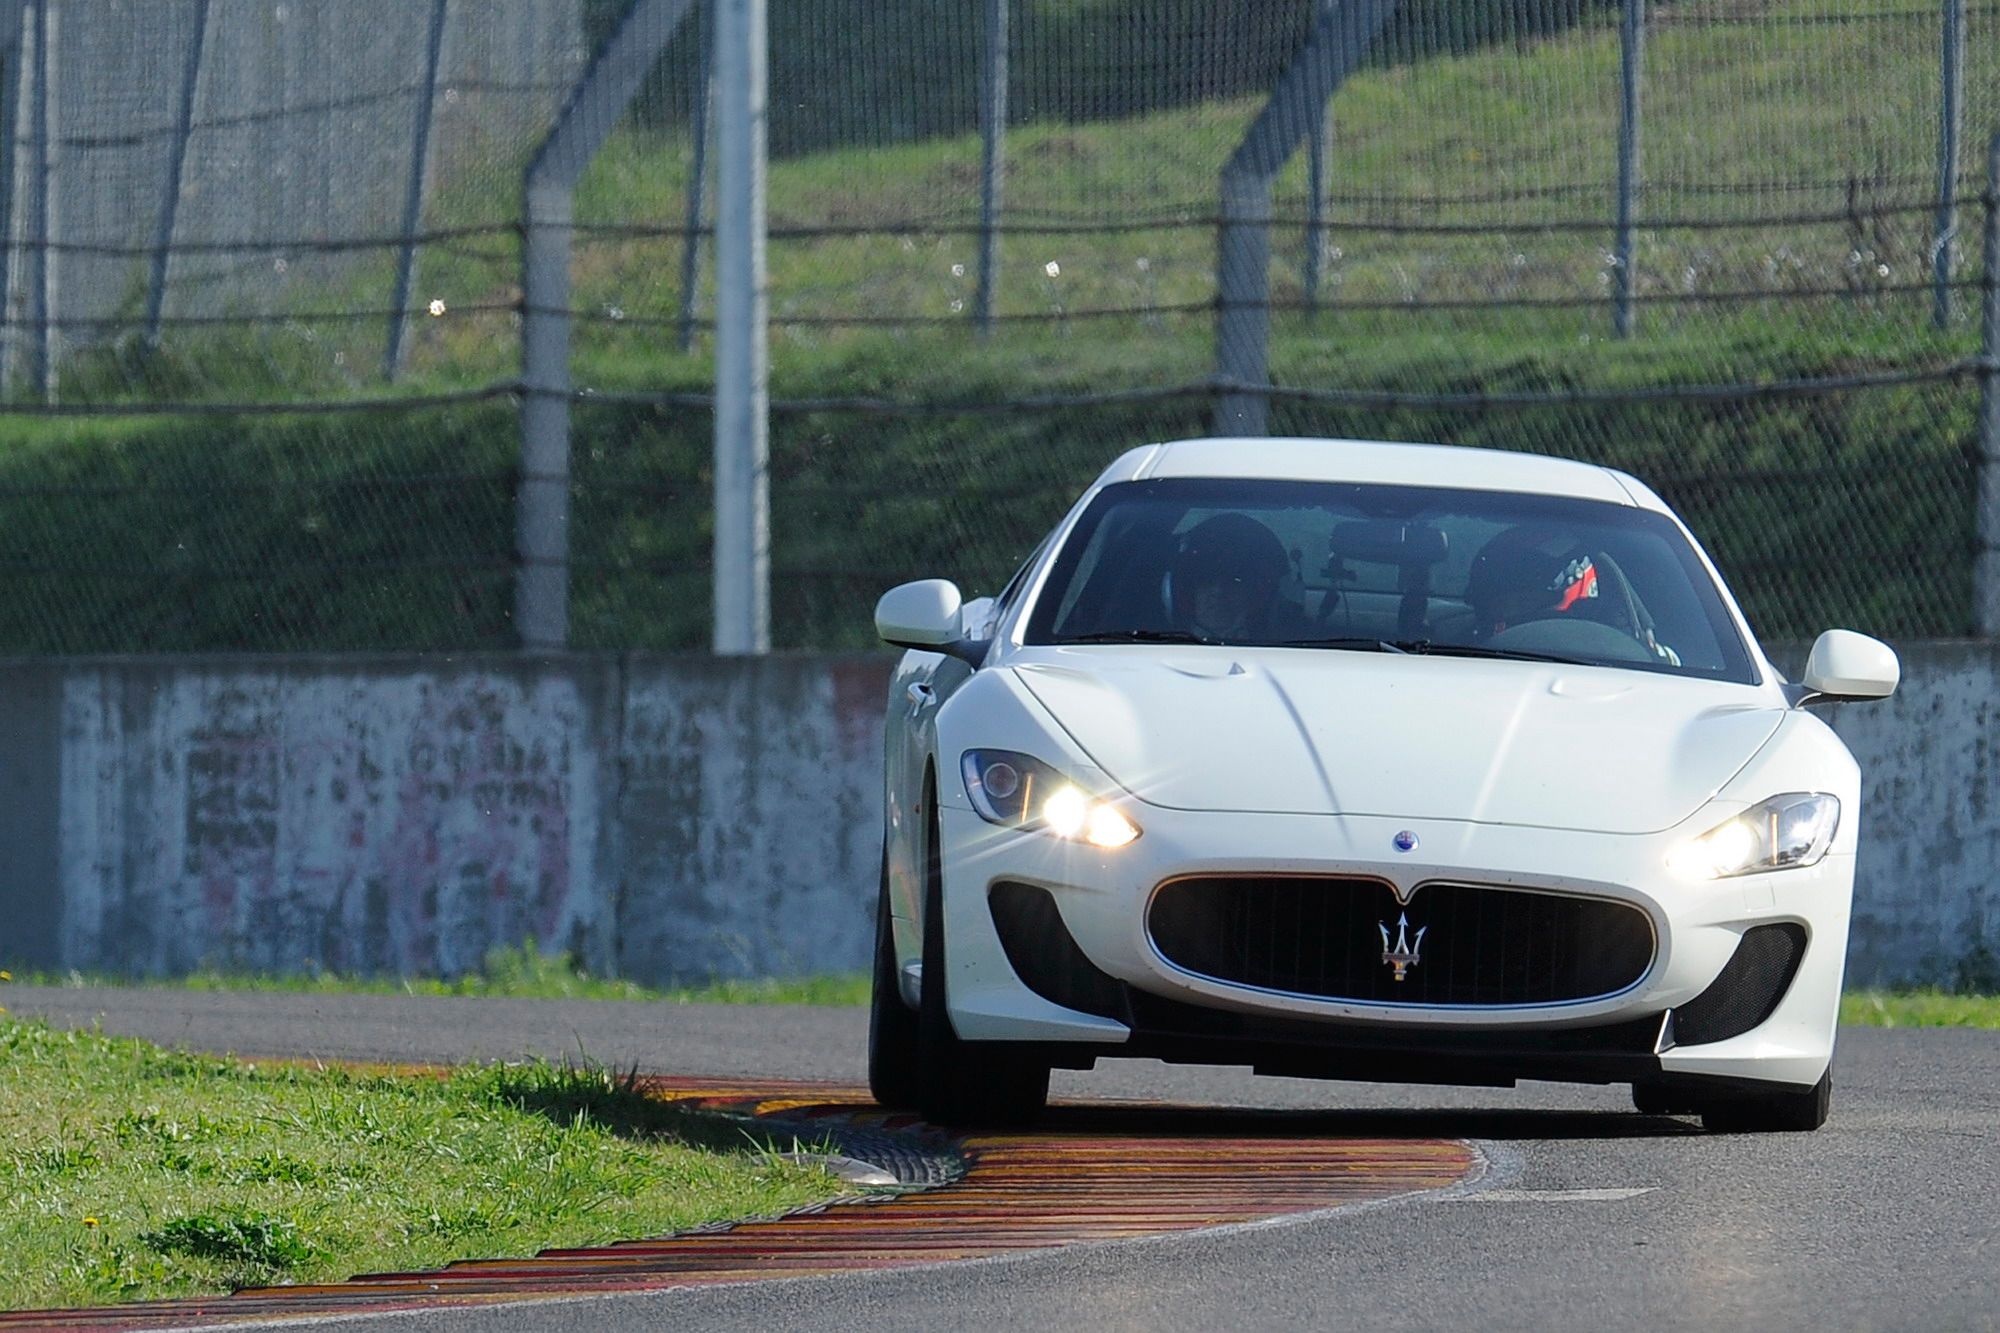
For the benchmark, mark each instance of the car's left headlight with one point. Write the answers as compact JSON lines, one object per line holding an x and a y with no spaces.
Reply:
{"x":1781,"y":833}
{"x":1017,"y":790}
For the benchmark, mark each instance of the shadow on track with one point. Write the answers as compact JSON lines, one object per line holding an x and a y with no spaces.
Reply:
{"x":1189,"y":1122}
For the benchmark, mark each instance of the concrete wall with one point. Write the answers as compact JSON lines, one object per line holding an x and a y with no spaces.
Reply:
{"x":663,"y":818}
{"x":1926,"y":903}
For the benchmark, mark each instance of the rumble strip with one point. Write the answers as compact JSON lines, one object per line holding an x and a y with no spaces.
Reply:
{"x":1099,"y":1171}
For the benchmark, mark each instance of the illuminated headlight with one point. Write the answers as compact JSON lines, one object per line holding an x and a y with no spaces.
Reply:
{"x":1020,"y":791}
{"x":1782,"y":833}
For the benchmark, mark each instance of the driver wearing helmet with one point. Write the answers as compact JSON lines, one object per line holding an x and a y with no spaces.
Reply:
{"x":1223,"y":583}
{"x":1521,"y":575}
{"x":1526,"y":574}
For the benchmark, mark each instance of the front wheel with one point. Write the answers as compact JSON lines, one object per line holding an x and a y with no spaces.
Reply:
{"x":961,"y":1083}
{"x":1785,"y":1111}
{"x":892,"y":1027}
{"x":1659,"y":1099}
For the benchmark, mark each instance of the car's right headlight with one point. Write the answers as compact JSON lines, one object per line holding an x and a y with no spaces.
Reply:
{"x":1781,"y":833}
{"x":1019,"y":791}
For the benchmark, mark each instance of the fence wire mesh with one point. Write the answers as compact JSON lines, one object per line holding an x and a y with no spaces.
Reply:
{"x":263,"y":311}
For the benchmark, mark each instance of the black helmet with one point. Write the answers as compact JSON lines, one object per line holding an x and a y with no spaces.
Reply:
{"x":1231,"y":546}
{"x":1526,"y":573}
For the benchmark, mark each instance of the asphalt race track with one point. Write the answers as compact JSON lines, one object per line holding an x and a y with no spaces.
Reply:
{"x":1586,"y":1215}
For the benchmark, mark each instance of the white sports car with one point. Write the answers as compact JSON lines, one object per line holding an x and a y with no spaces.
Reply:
{"x":1363,"y":761}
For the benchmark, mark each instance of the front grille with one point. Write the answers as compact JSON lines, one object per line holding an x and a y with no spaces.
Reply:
{"x":1749,"y":987}
{"x":1323,"y":936}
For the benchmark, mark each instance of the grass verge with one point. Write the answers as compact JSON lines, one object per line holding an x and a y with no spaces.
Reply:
{"x":523,"y":973}
{"x":1927,"y":1008}
{"x":133,"y":1172}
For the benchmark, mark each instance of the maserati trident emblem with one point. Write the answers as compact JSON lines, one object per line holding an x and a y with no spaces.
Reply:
{"x":1405,"y":953}
{"x":1406,"y":841}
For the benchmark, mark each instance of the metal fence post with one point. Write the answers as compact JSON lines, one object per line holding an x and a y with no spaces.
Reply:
{"x":42,"y":206}
{"x":1243,"y":306}
{"x":1316,"y":149}
{"x":170,"y":196}
{"x":541,"y":593}
{"x":541,"y":599}
{"x":742,"y":354}
{"x":1986,"y":574}
{"x":13,"y":53}
{"x":704,"y":105}
{"x":1631,"y":57}
{"x":1951,"y":114}
{"x":992,"y":161}
{"x":1342,"y":33}
{"x":413,"y":196}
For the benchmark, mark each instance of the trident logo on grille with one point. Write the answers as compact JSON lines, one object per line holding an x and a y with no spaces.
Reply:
{"x":1405,"y":953}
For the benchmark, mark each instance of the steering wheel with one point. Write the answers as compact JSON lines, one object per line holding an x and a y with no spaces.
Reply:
{"x":1561,"y":636}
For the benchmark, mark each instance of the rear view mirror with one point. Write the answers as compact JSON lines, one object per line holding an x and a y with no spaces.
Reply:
{"x":924,"y":614}
{"x":1388,"y":541}
{"x":1846,"y":665}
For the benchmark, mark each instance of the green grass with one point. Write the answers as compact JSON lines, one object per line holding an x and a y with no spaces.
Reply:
{"x":1830,"y":118}
{"x":1928,"y":1008}
{"x":131,"y":1172}
{"x":518,"y":973}
{"x":1840,"y":118}
{"x":396,"y":531}
{"x":528,"y":974}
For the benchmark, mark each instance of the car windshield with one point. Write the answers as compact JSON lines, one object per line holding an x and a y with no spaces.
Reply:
{"x":1395,"y":569}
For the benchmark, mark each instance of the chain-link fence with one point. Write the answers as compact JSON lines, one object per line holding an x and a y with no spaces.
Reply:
{"x":308,"y":215}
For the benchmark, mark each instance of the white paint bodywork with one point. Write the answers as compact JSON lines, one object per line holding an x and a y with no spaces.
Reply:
{"x":1490,"y":742}
{"x":1847,"y":665}
{"x":1559,"y":778}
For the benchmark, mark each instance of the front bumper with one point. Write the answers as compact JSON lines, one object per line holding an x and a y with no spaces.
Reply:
{"x":1174,"y":1014}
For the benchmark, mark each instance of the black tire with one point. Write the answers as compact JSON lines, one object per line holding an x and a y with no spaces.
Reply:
{"x":1657,"y":1099}
{"x":892,"y":1025}
{"x":961,"y":1083}
{"x":1782,"y":1111}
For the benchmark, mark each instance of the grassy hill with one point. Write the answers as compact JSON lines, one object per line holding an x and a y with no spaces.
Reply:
{"x":395,"y":529}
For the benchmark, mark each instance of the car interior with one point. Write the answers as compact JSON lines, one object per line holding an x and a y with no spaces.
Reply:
{"x":1442,"y":579}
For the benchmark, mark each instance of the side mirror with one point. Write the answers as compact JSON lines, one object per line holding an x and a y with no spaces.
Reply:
{"x":924,"y":614}
{"x":1846,"y":665}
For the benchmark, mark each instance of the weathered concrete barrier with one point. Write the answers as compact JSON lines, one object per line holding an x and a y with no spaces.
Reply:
{"x":664,"y":818}
{"x":1927,"y":888}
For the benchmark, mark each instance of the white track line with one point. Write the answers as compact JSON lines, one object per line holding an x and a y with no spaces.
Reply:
{"x":1555,"y":1196}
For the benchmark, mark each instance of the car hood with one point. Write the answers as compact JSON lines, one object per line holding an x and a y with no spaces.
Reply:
{"x":1403,"y":736}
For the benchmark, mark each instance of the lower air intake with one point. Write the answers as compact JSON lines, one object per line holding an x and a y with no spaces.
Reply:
{"x":1046,"y":958}
{"x":1749,"y":988}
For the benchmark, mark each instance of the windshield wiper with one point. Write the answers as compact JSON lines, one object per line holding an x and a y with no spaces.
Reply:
{"x":1427,"y":648}
{"x":1138,"y":636}
{"x":1365,"y":644}
{"x":1430,"y":648}
{"x":1401,"y":647}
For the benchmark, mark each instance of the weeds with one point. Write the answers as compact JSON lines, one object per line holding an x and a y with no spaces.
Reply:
{"x":253,"y":1240}
{"x":522,"y":972}
{"x":1920,"y":1008}
{"x":128,"y":1171}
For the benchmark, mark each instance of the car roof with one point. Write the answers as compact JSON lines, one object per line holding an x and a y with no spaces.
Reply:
{"x":1380,"y":462}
